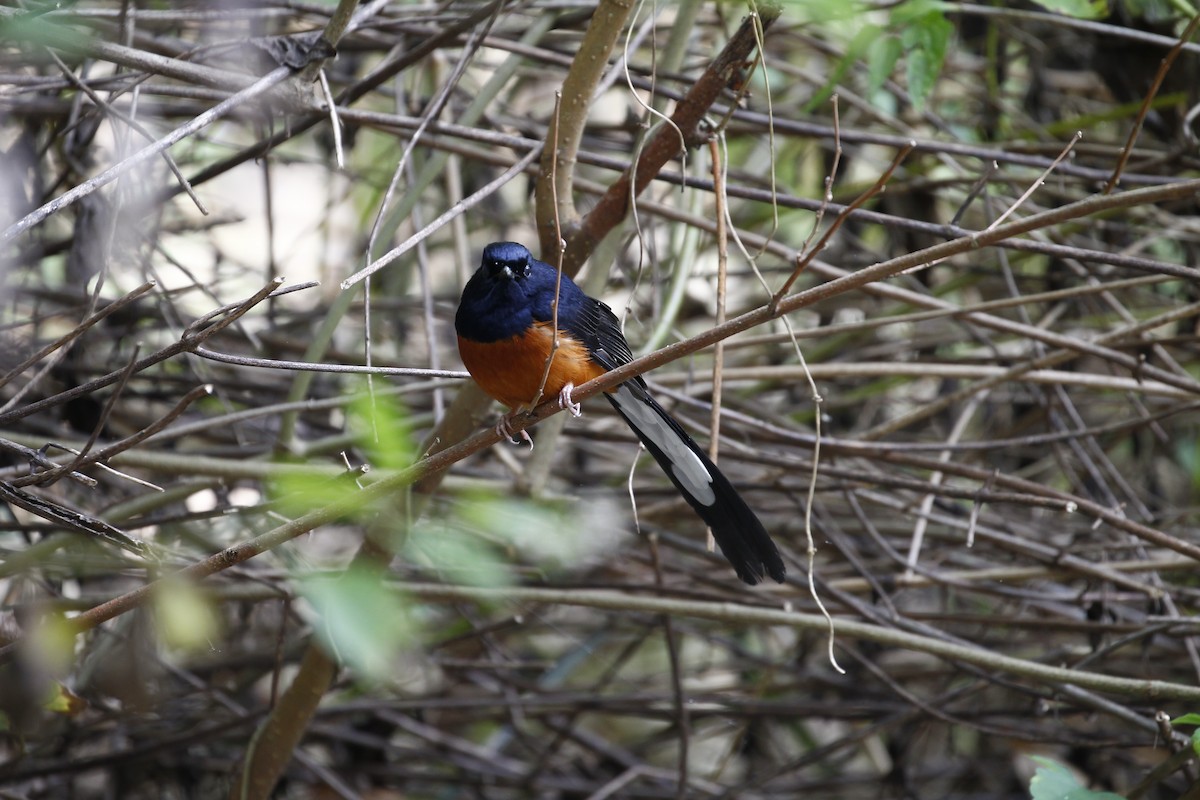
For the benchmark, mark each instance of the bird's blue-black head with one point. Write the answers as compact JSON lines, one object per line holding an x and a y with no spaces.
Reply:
{"x":508,"y":293}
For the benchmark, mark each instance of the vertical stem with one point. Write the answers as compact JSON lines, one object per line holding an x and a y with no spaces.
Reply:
{"x":556,"y":180}
{"x":718,"y":176}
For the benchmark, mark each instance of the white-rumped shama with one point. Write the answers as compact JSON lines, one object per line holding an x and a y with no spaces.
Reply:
{"x":504,"y":325}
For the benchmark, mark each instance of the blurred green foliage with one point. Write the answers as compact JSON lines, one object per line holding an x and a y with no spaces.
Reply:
{"x":1053,"y":781}
{"x":185,"y":618}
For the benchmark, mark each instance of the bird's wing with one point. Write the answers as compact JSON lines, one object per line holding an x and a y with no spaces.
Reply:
{"x":594,"y":324}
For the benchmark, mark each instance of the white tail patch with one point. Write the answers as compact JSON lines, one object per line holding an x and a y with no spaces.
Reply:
{"x":686,"y":466}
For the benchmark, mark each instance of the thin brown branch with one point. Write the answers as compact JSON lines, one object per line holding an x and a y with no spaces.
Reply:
{"x":193,"y":337}
{"x":85,"y":457}
{"x":665,"y":145}
{"x":1163,"y":68}
{"x":809,"y":254}
{"x":256,"y":89}
{"x":555,"y":195}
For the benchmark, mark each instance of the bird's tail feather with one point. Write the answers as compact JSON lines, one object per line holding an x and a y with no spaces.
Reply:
{"x":743,"y":540}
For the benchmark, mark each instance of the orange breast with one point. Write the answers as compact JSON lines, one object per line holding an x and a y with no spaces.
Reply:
{"x":511,"y":370}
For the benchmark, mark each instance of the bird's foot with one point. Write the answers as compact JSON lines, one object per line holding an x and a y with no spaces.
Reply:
{"x":565,"y":401}
{"x":504,"y":428}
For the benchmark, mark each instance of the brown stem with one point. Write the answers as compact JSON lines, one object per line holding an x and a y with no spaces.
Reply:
{"x":665,"y":145}
{"x":271,"y":748}
{"x":555,"y":193}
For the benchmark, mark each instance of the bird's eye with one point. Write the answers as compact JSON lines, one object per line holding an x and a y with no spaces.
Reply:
{"x":528,"y":270}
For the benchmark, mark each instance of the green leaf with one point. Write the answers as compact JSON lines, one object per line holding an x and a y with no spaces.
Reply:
{"x":380,"y":427}
{"x":1080,"y":9}
{"x":542,"y":532}
{"x":62,"y":700}
{"x":1053,"y":781}
{"x":854,"y":52}
{"x":382,"y":434}
{"x":821,"y":12}
{"x":299,"y":493}
{"x":882,"y":55}
{"x":184,"y":617}
{"x":485,"y":533}
{"x":1187,"y":451}
{"x":924,"y":40}
{"x":52,"y":640}
{"x":456,"y":554}
{"x":1190,"y":719}
{"x":361,"y":620}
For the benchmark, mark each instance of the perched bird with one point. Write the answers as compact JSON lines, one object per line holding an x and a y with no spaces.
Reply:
{"x":505,"y":333}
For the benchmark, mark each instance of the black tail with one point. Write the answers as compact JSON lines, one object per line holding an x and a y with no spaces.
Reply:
{"x":743,"y":540}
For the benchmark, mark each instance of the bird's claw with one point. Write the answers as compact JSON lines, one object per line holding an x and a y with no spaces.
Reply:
{"x":504,"y":428}
{"x":565,"y":401}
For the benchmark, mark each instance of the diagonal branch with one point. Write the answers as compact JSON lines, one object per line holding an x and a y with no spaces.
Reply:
{"x":665,"y":145}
